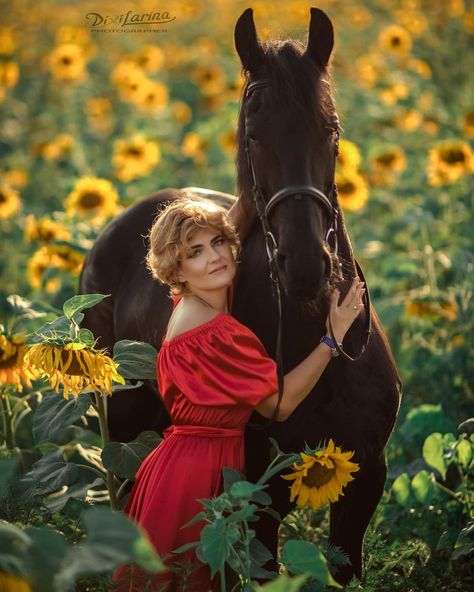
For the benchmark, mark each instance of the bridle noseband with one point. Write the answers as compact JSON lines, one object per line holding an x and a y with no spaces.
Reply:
{"x":264,"y":209}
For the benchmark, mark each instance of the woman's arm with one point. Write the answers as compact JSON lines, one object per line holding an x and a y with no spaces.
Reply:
{"x":300,"y":381}
{"x":241,"y":219}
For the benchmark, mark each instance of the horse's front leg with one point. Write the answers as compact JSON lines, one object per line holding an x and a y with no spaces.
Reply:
{"x":351,"y":515}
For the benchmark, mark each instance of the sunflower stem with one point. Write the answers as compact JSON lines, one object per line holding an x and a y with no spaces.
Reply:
{"x":277,"y":468}
{"x":122,"y":488}
{"x":7,"y":421}
{"x":101,"y":404}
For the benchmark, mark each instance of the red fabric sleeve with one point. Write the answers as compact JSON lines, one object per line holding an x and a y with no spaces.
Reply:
{"x":219,"y":363}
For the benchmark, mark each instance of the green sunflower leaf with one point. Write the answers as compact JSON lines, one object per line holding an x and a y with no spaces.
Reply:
{"x":216,"y":541}
{"x":136,"y":359}
{"x":302,"y":557}
{"x":81,"y":302}
{"x":124,"y":459}
{"x":245,"y":489}
{"x":283,"y":584}
{"x":56,"y":413}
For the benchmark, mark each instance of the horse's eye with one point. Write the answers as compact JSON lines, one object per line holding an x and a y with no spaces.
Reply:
{"x":254,"y":103}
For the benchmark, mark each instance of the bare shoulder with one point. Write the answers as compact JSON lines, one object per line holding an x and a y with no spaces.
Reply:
{"x":188,"y":316}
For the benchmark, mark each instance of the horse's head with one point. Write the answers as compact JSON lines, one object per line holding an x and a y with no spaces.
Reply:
{"x":287,"y":142}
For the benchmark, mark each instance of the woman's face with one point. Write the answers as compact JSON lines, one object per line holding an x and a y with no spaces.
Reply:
{"x":209,"y":264}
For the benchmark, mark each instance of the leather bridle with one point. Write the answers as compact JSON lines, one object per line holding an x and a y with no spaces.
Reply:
{"x":264,"y":209}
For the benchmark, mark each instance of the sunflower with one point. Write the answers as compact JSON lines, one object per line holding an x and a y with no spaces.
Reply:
{"x":11,"y":583}
{"x":9,"y":74}
{"x":67,"y":63}
{"x":432,"y":309}
{"x":467,"y":124}
{"x":195,"y":147}
{"x":449,"y":161}
{"x":150,"y":57}
{"x":92,"y":196}
{"x":420,"y":67}
{"x":153,"y":96}
{"x":12,"y":368}
{"x":75,"y":366}
{"x":45,"y":230}
{"x":176,"y":55}
{"x":408,"y":120}
{"x":181,"y":111}
{"x":7,"y":40}
{"x":396,"y":40}
{"x":15,"y":177}
{"x":368,"y":69}
{"x":135,"y":157}
{"x":59,"y":147}
{"x":352,"y":190}
{"x":130,"y":80}
{"x":77,"y":35}
{"x":359,"y":16}
{"x":394,"y":93}
{"x":321,"y":476}
{"x":348,"y":158}
{"x":210,"y":79}
{"x":9,"y":202}
{"x":228,"y":142}
{"x":386,"y":165}
{"x":391,"y":159}
{"x":98,"y":113}
{"x":52,"y":257}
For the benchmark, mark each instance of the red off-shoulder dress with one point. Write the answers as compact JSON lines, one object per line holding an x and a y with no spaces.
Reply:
{"x":210,"y":377}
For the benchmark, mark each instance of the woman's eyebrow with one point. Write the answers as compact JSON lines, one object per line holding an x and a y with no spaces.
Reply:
{"x":199,"y":246}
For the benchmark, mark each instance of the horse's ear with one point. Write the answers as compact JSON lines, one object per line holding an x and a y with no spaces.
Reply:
{"x":320,"y":38}
{"x":246,"y":42}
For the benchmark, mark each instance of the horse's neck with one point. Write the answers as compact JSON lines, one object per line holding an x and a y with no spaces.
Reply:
{"x":345,"y":252}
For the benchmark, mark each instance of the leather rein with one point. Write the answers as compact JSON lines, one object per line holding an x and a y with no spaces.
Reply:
{"x":264,"y":210}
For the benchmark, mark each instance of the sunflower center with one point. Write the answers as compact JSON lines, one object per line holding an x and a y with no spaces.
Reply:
{"x":90,"y":200}
{"x":346,"y":187}
{"x":3,"y":197}
{"x":66,"y":60}
{"x":7,"y":359}
{"x":134,"y":150}
{"x":453,"y":155}
{"x":74,"y":368}
{"x":318,"y":475}
{"x":46,"y":235}
{"x":386,"y":159}
{"x":396,"y":41}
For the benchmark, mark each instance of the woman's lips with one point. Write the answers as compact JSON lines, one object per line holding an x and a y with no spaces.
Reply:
{"x":222,"y":268}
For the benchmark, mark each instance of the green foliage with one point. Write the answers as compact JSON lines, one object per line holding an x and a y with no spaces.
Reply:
{"x":51,"y":564}
{"x":56,"y":413}
{"x":302,"y":557}
{"x":136,"y":359}
{"x":125,"y":459}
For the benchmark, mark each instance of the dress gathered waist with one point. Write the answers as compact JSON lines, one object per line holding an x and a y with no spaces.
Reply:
{"x":203,"y":431}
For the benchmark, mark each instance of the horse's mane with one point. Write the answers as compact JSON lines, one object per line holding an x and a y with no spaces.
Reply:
{"x":296,"y":81}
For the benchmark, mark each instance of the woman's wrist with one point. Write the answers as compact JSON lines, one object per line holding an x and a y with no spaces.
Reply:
{"x":337,"y":336}
{"x":329,"y":342}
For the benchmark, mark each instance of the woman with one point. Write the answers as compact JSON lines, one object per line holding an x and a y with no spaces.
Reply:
{"x":212,"y":372}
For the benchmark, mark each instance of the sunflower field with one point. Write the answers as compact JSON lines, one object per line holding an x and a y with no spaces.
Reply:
{"x":95,"y":115}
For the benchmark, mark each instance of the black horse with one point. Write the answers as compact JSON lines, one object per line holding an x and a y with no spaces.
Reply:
{"x":287,"y":139}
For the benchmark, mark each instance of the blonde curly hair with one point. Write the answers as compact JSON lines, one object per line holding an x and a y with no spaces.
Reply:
{"x":172,"y":231}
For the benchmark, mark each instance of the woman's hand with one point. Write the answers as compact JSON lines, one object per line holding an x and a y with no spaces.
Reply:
{"x":343,"y":315}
